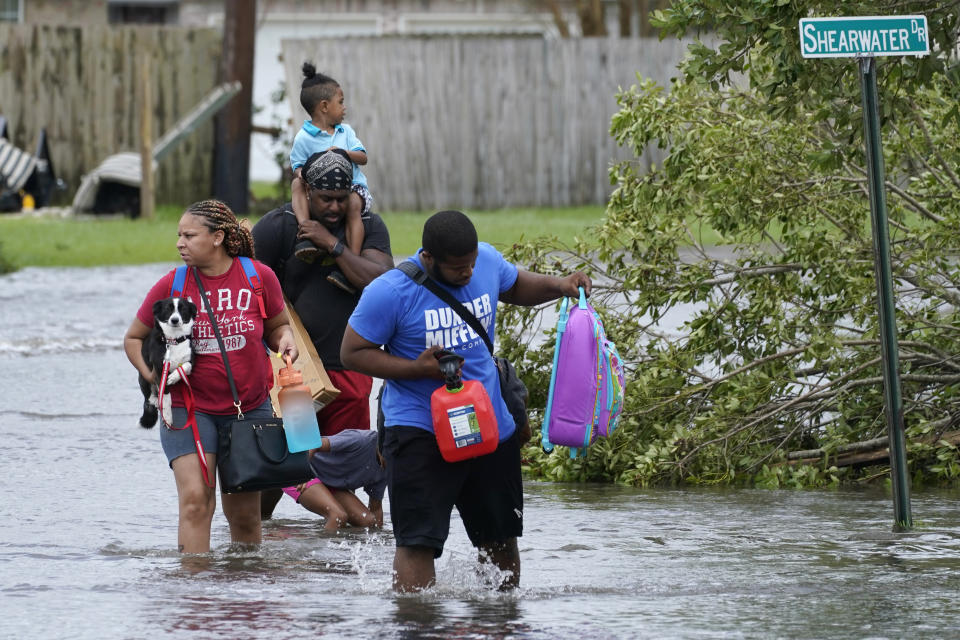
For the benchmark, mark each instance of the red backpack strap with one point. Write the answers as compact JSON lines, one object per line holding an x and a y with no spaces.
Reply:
{"x":255,"y":283}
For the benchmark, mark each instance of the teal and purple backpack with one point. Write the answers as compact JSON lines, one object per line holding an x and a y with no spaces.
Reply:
{"x":587,"y":384}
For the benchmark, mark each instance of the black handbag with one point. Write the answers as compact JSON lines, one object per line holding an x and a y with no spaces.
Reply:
{"x":253,"y":456}
{"x":252,"y":452}
{"x":512,"y":388}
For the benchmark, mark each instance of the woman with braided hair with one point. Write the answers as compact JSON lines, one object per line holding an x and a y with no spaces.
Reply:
{"x":209,"y":240}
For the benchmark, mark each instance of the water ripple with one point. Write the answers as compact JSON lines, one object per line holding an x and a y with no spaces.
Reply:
{"x":37,"y":415}
{"x":43,"y":345}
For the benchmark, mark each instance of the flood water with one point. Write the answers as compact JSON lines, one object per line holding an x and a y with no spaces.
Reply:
{"x":89,"y":517}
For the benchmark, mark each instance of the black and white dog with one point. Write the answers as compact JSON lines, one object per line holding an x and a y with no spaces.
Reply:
{"x":168,"y":341}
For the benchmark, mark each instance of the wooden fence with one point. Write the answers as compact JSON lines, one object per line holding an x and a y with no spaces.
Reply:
{"x":484,"y":122}
{"x":81,"y":85}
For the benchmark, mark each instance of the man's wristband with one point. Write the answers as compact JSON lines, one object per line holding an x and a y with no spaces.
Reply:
{"x":337,"y":249}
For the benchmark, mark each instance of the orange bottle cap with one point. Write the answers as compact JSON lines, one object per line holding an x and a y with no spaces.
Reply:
{"x":287,"y":375}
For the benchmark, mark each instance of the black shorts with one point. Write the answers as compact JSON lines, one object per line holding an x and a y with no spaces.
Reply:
{"x":424,"y":488}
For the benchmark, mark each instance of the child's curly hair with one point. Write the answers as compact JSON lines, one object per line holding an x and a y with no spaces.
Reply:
{"x":315,"y":88}
{"x":217,"y":216}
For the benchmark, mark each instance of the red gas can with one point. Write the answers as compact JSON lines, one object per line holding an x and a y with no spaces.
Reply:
{"x":463,"y":417}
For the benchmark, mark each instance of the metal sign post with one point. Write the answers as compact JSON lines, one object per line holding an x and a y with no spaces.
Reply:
{"x":865,"y":38}
{"x":892,"y":399}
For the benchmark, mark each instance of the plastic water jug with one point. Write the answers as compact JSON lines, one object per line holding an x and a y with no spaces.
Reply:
{"x":463,"y":417}
{"x":296,"y":407}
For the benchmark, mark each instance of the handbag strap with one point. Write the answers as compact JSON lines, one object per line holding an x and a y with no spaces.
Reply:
{"x":223,"y":350}
{"x":420,"y":277}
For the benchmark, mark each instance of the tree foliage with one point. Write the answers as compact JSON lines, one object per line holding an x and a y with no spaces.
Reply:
{"x":768,"y":340}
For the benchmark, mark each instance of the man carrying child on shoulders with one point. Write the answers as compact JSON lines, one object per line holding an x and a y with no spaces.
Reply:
{"x":322,"y":306}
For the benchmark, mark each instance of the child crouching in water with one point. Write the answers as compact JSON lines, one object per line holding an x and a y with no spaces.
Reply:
{"x":323,"y":99}
{"x":345,"y":462}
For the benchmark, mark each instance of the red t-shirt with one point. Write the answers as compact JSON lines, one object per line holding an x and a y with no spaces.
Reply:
{"x":238,"y":316}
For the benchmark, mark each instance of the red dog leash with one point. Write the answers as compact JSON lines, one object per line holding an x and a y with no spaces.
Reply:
{"x":190,"y":406}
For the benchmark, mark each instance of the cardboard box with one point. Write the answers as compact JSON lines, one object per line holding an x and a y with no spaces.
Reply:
{"x":308,"y":363}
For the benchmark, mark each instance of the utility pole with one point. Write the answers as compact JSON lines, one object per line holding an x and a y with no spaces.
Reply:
{"x":147,"y":183}
{"x":231,"y":164}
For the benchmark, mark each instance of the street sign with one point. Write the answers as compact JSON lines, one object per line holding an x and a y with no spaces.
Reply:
{"x":864,"y":36}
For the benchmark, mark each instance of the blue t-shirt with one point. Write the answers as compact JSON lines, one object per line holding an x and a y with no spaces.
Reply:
{"x":310,"y":140}
{"x":407,"y":318}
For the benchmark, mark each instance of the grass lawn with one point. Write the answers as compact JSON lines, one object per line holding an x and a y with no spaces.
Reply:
{"x":500,"y":228}
{"x":95,"y":240}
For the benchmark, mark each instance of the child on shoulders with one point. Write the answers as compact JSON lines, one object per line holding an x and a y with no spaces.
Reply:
{"x":323,"y":99}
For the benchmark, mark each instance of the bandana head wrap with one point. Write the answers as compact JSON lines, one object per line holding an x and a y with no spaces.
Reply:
{"x":329,"y":171}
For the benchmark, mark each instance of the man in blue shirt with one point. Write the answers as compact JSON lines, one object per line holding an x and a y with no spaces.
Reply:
{"x":413,"y":323}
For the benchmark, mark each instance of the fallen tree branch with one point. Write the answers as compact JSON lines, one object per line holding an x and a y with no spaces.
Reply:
{"x":751,"y":272}
{"x":866,"y":445}
{"x":862,"y":459}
